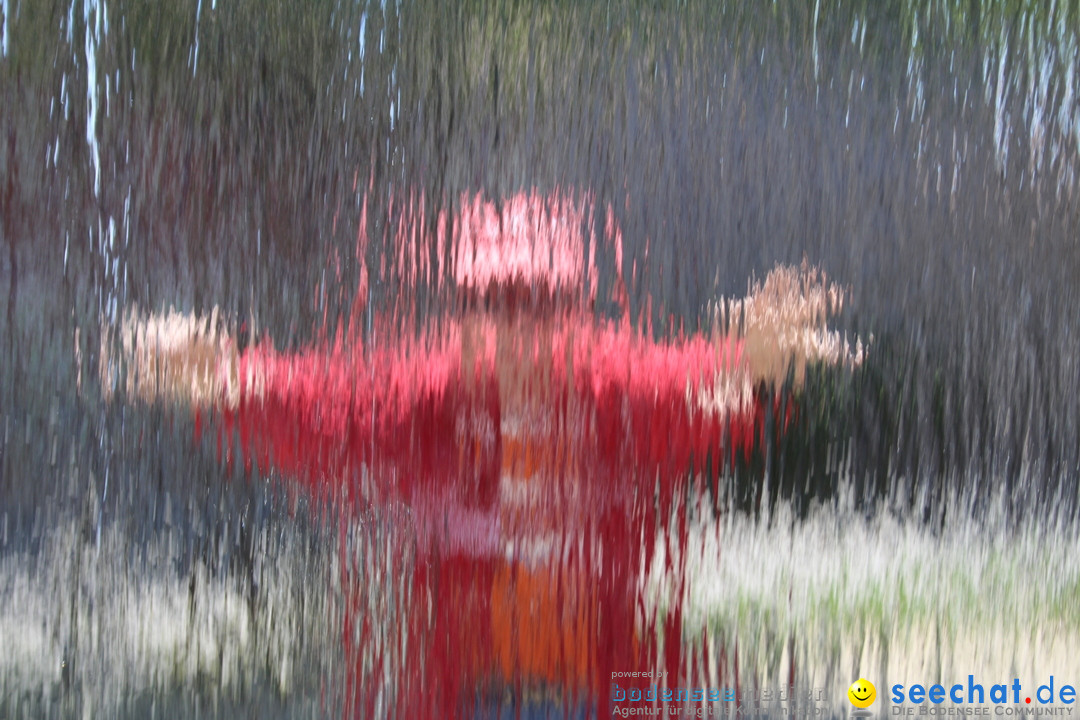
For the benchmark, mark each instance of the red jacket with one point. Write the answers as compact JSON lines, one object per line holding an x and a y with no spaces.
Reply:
{"x":528,"y":453}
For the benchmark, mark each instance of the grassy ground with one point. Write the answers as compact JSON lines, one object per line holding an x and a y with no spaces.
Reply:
{"x":824,"y":601}
{"x":94,"y":623}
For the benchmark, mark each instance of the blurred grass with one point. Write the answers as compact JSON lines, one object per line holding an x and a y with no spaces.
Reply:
{"x":835,"y":595}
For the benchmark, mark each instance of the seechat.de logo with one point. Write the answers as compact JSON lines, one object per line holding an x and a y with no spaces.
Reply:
{"x":862,"y":695}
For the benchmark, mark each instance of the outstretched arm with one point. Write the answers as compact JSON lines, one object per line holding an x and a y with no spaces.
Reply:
{"x":323,"y":409}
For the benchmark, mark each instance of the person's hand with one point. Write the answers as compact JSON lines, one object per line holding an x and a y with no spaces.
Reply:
{"x":785,"y":325}
{"x":174,"y":357}
{"x":782,"y":325}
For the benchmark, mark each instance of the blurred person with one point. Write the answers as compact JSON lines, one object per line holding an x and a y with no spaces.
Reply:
{"x":538,"y":449}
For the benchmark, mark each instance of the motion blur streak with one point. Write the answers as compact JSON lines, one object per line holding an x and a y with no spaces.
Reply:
{"x":369,"y":358}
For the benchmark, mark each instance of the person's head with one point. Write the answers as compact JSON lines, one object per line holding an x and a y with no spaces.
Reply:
{"x":530,"y":251}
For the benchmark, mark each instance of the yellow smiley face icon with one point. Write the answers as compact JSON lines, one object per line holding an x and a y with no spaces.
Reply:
{"x":862,"y":693}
